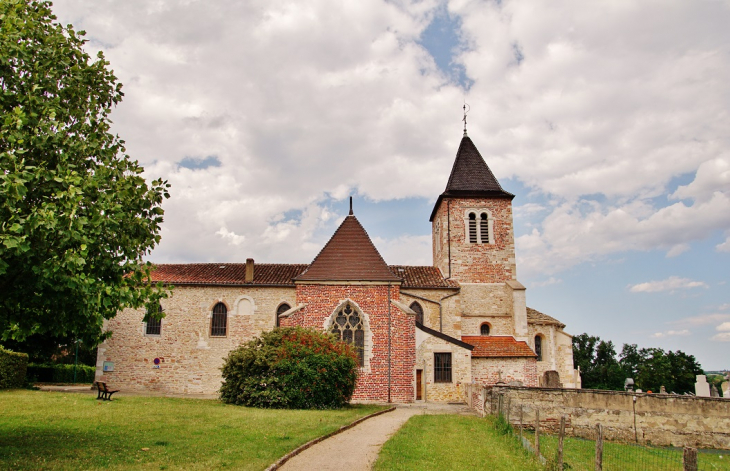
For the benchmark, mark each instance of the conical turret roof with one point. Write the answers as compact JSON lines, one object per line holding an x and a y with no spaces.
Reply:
{"x":471,"y":177}
{"x":349,"y":256}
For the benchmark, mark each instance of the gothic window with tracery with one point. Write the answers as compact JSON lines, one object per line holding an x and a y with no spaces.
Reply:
{"x":348,"y":326}
{"x":418,"y":310}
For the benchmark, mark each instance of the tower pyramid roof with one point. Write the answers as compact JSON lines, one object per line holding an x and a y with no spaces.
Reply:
{"x":470,"y":177}
{"x":349,"y":256}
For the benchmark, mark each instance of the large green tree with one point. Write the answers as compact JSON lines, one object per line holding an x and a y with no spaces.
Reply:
{"x":76,"y":215}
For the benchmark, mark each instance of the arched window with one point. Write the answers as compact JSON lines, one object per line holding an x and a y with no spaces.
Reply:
{"x":153,"y":325}
{"x":484,"y":329}
{"x":472,"y":228}
{"x":219,"y":321}
{"x":281,"y":310}
{"x":484,"y":228}
{"x":348,"y":327}
{"x":538,"y":347}
{"x":418,"y":310}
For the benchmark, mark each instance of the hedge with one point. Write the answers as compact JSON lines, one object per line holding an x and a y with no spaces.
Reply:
{"x":60,"y":373}
{"x":12,"y":368}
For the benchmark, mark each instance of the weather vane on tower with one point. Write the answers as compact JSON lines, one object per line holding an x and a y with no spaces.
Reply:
{"x":466,"y":110}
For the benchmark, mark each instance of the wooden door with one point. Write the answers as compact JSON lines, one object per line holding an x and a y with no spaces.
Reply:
{"x":419,"y":385}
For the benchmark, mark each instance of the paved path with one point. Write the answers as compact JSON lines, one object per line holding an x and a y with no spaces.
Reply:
{"x":357,"y":449}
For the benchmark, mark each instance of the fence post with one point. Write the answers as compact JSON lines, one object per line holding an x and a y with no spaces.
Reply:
{"x":509,"y":407}
{"x":537,"y":432}
{"x":689,"y":459}
{"x":599,"y":447}
{"x":560,"y":442}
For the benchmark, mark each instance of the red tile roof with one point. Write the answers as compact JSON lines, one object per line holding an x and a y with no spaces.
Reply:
{"x":226,"y":274}
{"x":348,"y":256}
{"x":422,"y":277}
{"x":497,"y":346}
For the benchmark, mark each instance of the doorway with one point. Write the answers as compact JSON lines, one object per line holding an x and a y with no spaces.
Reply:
{"x":419,"y":385}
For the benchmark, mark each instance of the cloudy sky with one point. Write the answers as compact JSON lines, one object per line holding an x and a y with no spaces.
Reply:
{"x":610,"y":121}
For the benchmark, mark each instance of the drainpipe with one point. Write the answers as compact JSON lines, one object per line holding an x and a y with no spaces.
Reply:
{"x":441,"y":321}
{"x":448,"y":232}
{"x":389,"y":350}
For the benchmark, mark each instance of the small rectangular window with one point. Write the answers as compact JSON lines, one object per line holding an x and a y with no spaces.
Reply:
{"x":442,"y":367}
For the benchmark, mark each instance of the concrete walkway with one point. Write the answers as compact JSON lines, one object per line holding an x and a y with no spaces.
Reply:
{"x":357,"y":449}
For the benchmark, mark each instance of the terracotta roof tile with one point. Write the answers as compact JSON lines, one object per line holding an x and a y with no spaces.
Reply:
{"x":422,"y":277}
{"x":348,"y":256}
{"x":497,"y":346}
{"x":226,"y":273}
{"x":537,"y":317}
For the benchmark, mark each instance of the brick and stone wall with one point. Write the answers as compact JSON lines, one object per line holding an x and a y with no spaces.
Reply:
{"x":661,"y":419}
{"x":372,"y":300}
{"x":491,"y":370}
{"x":190,"y":359}
{"x":460,"y":368}
{"x":474,"y":263}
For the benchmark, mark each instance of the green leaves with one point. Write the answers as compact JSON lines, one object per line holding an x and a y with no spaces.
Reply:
{"x":75,"y":214}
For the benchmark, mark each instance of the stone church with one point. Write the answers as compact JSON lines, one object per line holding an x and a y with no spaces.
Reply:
{"x":421,"y":332}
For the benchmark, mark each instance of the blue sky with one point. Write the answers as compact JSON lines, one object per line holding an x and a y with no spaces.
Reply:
{"x":607,"y":120}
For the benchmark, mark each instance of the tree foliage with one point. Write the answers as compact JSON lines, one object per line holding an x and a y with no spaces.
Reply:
{"x":76,"y":215}
{"x":649,"y":367}
{"x":292,"y":368}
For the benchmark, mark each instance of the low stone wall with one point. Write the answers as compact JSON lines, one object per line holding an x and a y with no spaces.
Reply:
{"x":657,"y":419}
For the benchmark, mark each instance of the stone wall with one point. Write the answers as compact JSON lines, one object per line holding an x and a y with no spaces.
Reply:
{"x":492,"y":370}
{"x":190,"y":359}
{"x":460,"y":368}
{"x":661,"y":419}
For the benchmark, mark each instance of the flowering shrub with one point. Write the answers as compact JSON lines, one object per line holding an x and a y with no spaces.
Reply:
{"x":290,"y":367}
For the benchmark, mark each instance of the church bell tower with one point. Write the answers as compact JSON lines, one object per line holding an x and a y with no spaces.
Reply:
{"x":473,"y":239}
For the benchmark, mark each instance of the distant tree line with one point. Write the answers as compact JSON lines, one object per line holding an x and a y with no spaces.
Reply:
{"x":650,"y":368}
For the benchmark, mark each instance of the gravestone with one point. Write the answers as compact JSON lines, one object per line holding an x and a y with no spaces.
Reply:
{"x":551,"y":379}
{"x":726,"y":389}
{"x":713,"y":391}
{"x":662,"y":390}
{"x":702,"y":388}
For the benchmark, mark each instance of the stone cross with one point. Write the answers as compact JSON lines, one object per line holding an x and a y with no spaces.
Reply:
{"x":702,"y":389}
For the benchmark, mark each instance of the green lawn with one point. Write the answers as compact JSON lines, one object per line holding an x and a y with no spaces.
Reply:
{"x":54,"y":431}
{"x":580,"y":455}
{"x":453,"y":442}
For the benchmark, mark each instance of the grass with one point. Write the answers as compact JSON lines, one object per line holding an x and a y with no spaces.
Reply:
{"x":579,"y":454}
{"x":66,"y":431}
{"x":453,"y":442}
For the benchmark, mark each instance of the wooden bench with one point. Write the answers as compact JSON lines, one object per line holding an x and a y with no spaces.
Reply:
{"x":105,"y":394}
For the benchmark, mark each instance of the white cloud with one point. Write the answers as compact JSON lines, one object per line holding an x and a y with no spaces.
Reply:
{"x":671,"y":333}
{"x":723,"y":247}
{"x":301,"y":101}
{"x":722,"y":337}
{"x":670,"y":284}
{"x":703,"y":319}
{"x":725,"y":326}
{"x":550,"y":281}
{"x":405,"y":250}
